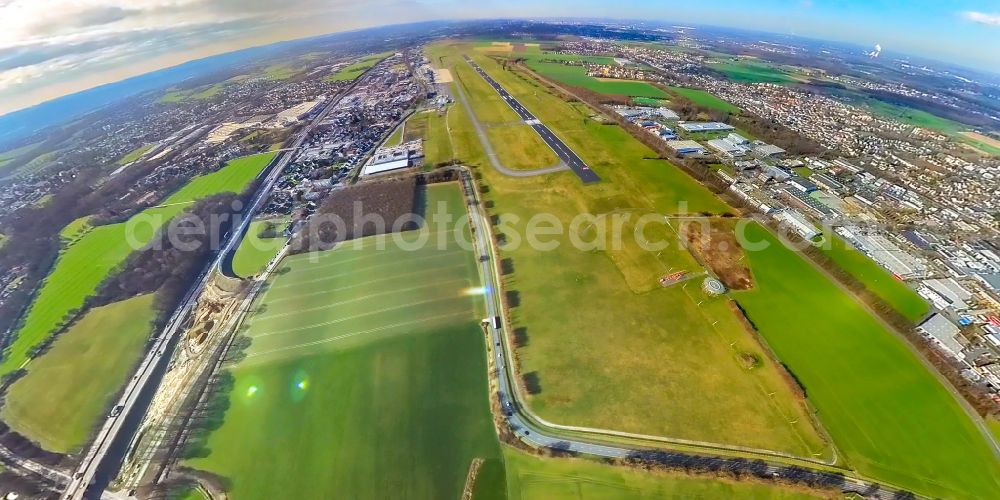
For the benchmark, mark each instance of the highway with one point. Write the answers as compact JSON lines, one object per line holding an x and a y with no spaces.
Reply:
{"x":107,"y":451}
{"x":533,"y":430}
{"x":565,"y":154}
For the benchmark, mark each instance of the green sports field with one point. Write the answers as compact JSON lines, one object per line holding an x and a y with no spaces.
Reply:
{"x":68,"y":391}
{"x":541,"y":478}
{"x":703,"y":98}
{"x":255,"y":252}
{"x":888,"y":414}
{"x":96,"y":251}
{"x":608,"y":346}
{"x":880,"y":281}
{"x":365,"y":376}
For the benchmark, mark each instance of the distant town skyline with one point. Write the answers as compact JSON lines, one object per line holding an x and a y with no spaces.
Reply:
{"x":50,"y":48}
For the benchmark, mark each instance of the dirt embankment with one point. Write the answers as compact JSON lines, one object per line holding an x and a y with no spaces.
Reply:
{"x":714,"y":244}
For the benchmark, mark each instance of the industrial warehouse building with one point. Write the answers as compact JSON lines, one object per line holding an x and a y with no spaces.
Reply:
{"x":686,"y":147}
{"x":886,"y":253}
{"x":395,"y":158}
{"x":943,"y":333}
{"x":797,"y":222}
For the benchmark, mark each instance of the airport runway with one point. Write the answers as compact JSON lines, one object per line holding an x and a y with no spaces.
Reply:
{"x":563,"y":151}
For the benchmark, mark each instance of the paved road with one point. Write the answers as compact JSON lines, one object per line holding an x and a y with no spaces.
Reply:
{"x":100,"y":454}
{"x":565,"y":154}
{"x":492,"y":155}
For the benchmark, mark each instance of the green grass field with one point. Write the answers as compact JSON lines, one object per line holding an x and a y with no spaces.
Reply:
{"x":914,"y":117}
{"x":396,"y":138}
{"x":68,"y":391}
{"x":174,"y":95}
{"x":365,"y":376}
{"x":550,"y":65}
{"x":134,"y":154}
{"x":751,"y":72}
{"x":9,"y":156}
{"x":255,"y":252}
{"x":597,"y":323}
{"x":994,"y":424}
{"x":352,"y":71}
{"x":281,"y":71}
{"x":880,"y":281}
{"x":577,"y":77}
{"x":186,"y":493}
{"x":703,"y":98}
{"x":516,"y":144}
{"x":649,"y":101}
{"x":84,"y":263}
{"x":975,"y":143}
{"x":40,"y":162}
{"x":889,"y":415}
{"x":541,"y":478}
{"x":432,"y":127}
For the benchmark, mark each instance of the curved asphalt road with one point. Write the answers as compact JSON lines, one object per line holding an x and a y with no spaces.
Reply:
{"x":534,"y":431}
{"x":492,"y":155}
{"x":559,"y":147}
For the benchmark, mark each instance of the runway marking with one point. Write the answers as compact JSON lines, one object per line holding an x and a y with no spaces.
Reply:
{"x":267,"y":317}
{"x":356,"y":316}
{"x":354,"y":334}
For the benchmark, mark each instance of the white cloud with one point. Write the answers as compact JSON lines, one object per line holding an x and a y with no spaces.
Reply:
{"x":59,"y":42}
{"x":982,"y":18}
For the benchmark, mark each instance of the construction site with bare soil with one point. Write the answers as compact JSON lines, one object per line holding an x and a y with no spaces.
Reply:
{"x":175,"y":407}
{"x":714,"y":243}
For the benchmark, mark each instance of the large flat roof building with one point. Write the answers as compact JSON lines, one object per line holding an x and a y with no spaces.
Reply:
{"x":886,"y":253}
{"x":686,"y":147}
{"x":798,"y":222}
{"x":942,"y":332}
{"x":764,"y":150}
{"x":705,"y":126}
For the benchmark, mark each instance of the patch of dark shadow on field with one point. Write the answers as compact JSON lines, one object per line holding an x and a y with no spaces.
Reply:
{"x":532,"y":383}
{"x":513,"y":298}
{"x":521,"y":336}
{"x":209,"y":415}
{"x":507,"y":266}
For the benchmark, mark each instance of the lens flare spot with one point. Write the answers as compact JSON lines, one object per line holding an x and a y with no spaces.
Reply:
{"x":477,"y":290}
{"x":252,"y":390}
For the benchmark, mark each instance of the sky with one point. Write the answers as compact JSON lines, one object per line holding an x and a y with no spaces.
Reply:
{"x":50,"y":48}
